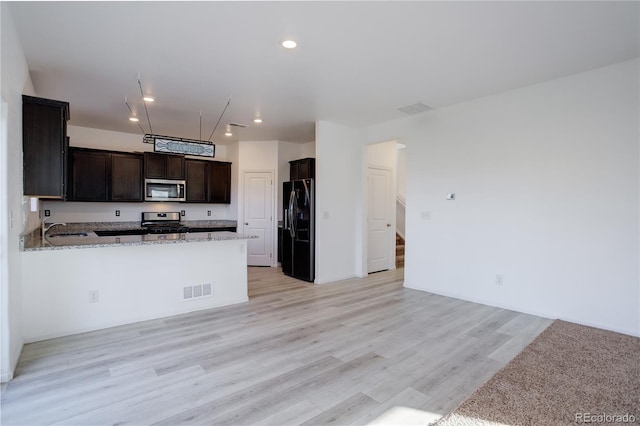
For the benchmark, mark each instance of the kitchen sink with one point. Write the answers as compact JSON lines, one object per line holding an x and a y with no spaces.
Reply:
{"x":120,"y":232}
{"x":70,"y":234}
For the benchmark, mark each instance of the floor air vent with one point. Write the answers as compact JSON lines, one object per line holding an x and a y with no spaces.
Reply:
{"x":197,"y":291}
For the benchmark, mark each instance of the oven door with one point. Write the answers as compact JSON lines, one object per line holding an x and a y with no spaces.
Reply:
{"x":164,"y":190}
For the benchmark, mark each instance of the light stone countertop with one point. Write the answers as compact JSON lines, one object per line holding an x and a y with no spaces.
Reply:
{"x":33,"y":240}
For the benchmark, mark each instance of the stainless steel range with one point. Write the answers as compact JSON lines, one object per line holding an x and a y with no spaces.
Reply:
{"x":162,"y":223}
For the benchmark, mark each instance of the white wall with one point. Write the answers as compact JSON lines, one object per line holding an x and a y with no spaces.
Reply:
{"x":401,"y":175}
{"x":68,"y":211}
{"x":308,"y":150}
{"x":16,"y":218}
{"x":339,"y":198}
{"x":134,"y":283}
{"x":547,"y":185}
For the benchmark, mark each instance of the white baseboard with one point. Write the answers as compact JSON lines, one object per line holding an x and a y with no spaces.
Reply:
{"x":6,"y":376}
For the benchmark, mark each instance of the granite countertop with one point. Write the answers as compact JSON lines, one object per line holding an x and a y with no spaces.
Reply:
{"x":83,"y":235}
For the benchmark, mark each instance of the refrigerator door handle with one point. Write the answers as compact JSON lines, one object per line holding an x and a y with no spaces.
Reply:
{"x":294,"y":216}
{"x":292,"y":225}
{"x":285,"y":217}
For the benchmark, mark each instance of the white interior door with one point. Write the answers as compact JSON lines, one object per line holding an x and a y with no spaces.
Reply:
{"x":258,"y":217}
{"x":379,"y":220}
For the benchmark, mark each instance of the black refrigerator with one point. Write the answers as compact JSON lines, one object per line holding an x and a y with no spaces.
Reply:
{"x":298,"y":231}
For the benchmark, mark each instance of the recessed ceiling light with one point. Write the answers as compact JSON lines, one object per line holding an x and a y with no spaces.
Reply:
{"x":289,"y":44}
{"x":228,"y":134}
{"x":134,"y":119}
{"x":148,"y":99}
{"x":257,"y":120}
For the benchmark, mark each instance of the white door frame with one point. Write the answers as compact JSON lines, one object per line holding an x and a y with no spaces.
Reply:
{"x":6,"y":372}
{"x":241,"y":221}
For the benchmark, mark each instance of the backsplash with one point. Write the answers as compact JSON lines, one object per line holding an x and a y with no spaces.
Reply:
{"x":106,"y":212}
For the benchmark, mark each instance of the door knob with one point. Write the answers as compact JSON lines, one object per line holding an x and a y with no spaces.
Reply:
{"x":388,"y":225}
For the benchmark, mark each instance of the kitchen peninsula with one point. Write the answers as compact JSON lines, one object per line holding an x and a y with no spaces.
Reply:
{"x":77,"y":281}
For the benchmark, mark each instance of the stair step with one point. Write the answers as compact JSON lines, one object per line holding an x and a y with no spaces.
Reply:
{"x":399,"y":251}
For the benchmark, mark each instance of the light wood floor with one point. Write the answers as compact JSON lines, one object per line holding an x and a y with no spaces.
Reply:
{"x":296,"y":353}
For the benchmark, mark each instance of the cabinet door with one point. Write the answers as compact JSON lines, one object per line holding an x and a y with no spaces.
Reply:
{"x":154,"y":165}
{"x":89,"y":175}
{"x":293,"y":170}
{"x":174,"y":166}
{"x":306,"y":169}
{"x":196,"y":175}
{"x":44,"y":142}
{"x":219,"y":182}
{"x":126,"y":177}
{"x":302,"y":169}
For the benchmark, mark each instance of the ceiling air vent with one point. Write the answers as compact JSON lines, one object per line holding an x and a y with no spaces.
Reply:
{"x":238,"y":125}
{"x":415,"y":108}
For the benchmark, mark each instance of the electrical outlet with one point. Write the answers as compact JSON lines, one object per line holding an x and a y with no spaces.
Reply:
{"x":94,"y":296}
{"x":47,"y":213}
{"x":499,"y":279}
{"x":182,"y":213}
{"x":426,"y":215}
{"x":117,"y":212}
{"x":208,"y":212}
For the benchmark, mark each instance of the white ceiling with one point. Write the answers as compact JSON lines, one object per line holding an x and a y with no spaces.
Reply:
{"x":356,"y":62}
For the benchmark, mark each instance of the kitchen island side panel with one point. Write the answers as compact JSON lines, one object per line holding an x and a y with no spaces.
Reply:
{"x":134,"y":283}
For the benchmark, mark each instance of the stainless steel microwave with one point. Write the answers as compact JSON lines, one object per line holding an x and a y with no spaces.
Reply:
{"x":165,"y":190}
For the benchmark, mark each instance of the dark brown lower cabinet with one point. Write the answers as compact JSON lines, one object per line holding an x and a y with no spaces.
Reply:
{"x":97,"y":175}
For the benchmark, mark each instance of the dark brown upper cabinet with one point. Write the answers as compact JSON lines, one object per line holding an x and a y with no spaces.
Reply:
{"x":97,"y":175}
{"x":208,"y":181}
{"x":89,"y":175}
{"x":126,"y":177}
{"x":196,"y":173}
{"x":219,"y":182}
{"x":164,"y":166}
{"x":44,"y":146}
{"x":304,"y":168}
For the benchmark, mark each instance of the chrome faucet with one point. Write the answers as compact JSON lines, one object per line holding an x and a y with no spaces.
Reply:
{"x":46,"y":226}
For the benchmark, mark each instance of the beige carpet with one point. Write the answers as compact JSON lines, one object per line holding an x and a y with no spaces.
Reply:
{"x":569,"y":370}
